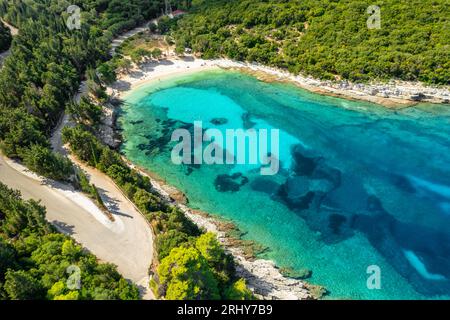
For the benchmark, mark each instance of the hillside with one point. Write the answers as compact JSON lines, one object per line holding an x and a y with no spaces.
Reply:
{"x":327,"y":39}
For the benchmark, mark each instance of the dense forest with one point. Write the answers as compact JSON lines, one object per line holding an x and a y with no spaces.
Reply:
{"x":5,"y":37}
{"x":329,"y":39}
{"x":36,"y":262}
{"x":47,"y":63}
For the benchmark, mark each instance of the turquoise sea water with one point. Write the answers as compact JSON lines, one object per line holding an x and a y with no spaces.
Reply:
{"x":359,"y":184}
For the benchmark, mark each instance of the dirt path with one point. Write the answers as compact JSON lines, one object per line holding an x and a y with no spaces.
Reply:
{"x":120,"y":39}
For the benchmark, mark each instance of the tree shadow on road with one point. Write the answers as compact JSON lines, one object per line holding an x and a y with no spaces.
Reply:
{"x":111,"y":204}
{"x":64,"y":227}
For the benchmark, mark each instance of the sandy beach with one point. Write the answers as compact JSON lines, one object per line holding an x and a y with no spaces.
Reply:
{"x":160,"y":70}
{"x":395,"y":94}
{"x":262,"y":276}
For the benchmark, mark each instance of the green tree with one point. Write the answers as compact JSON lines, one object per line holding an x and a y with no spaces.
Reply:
{"x":157,"y":53}
{"x":20,"y":285}
{"x":85,"y":146}
{"x":85,"y":111}
{"x":146,"y":201}
{"x":18,"y":130}
{"x":323,"y":38}
{"x":168,"y":241}
{"x":185,"y":275}
{"x":107,"y":73}
{"x":72,"y":295}
{"x":238,"y":291}
{"x":179,"y":50}
{"x":19,"y":217}
{"x":43,"y":161}
{"x":140,"y":55}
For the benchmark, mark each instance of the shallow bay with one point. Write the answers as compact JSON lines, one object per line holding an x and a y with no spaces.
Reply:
{"x":359,"y":184}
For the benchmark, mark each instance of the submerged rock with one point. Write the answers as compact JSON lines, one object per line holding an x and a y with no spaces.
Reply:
{"x":265,"y":185}
{"x":218,"y":121}
{"x":230,"y":183}
{"x":296,"y":274}
{"x":247,"y":122}
{"x":336,"y":221}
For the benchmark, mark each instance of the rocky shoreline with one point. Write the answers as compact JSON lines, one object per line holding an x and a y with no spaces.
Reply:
{"x":392,"y":94}
{"x":262,"y":276}
{"x":107,"y":130}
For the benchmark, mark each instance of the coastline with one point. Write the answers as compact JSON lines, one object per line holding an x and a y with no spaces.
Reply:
{"x":262,"y":276}
{"x":394,"y":95}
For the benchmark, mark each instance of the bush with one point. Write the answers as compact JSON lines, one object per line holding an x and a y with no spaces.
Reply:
{"x":168,"y":241}
{"x":146,"y":201}
{"x":323,"y":38}
{"x":107,"y":73}
{"x":33,"y":265}
{"x":186,"y":276}
{"x":83,"y":144}
{"x":193,"y":265}
{"x":238,"y":291}
{"x":43,"y":161}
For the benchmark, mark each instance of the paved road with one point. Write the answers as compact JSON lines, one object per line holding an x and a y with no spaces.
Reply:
{"x":126,"y":242}
{"x":120,"y":39}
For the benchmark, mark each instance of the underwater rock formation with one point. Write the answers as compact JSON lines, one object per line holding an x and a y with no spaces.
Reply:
{"x":230,"y":183}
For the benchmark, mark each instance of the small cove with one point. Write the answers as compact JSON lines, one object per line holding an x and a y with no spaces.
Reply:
{"x":359,"y":184}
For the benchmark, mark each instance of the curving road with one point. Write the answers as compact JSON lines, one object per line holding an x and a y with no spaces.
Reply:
{"x":127,"y":242}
